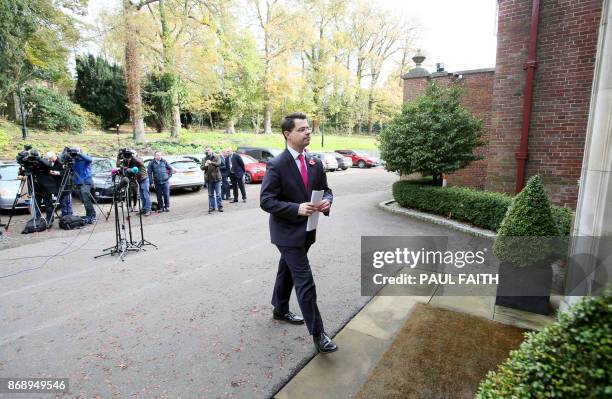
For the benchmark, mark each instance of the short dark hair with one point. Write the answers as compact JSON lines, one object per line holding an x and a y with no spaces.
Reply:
{"x":288,"y":122}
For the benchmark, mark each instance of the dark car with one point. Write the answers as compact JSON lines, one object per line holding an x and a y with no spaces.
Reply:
{"x":261,"y":154}
{"x":101,"y":169}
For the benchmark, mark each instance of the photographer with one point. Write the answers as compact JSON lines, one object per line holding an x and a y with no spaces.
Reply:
{"x":43,"y":185}
{"x":57,"y":171}
{"x":83,"y":181}
{"x":128,"y":159}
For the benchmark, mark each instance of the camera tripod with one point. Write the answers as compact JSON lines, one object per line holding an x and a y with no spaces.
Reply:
{"x":124,"y":238}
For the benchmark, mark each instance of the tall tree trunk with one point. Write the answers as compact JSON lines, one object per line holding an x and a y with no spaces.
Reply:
{"x":267,"y":118}
{"x":168,"y":55}
{"x":132,"y":75}
{"x":316,"y":125}
{"x":175,"y":130}
{"x":229,"y":126}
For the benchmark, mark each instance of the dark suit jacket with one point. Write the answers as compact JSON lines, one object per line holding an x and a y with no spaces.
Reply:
{"x":237,"y":165}
{"x":282,"y":192}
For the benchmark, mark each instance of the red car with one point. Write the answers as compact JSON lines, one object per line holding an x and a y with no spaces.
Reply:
{"x":360,"y":158}
{"x":255,"y":171}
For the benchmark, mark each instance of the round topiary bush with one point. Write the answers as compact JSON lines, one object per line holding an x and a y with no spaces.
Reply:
{"x":529,"y":215}
{"x":571,"y":358}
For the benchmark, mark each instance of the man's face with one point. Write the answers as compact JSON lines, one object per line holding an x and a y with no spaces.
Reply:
{"x":157,"y":156}
{"x":230,"y":151}
{"x":224,"y":153}
{"x":209,"y":151}
{"x":299,"y":136}
{"x":53,"y":158}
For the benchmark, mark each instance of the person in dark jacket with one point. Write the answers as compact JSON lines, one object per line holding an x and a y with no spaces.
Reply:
{"x":224,"y":168}
{"x":142,"y":177}
{"x":160,"y":173}
{"x":57,"y":171}
{"x":82,"y":179}
{"x":236,"y":165}
{"x":210,"y":166}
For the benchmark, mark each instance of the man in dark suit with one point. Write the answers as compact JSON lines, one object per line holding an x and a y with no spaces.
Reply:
{"x":285,"y":195}
{"x":236,"y":173}
{"x":224,"y":168}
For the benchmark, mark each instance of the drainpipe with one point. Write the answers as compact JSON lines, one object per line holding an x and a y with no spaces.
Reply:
{"x":530,"y":66}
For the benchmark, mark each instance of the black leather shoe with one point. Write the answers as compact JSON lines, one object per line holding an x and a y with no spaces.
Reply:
{"x":324,"y":343}
{"x":234,"y":201}
{"x":288,"y":317}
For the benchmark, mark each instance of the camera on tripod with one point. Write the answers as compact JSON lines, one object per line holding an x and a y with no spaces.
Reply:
{"x":69,"y":155}
{"x":29,"y":159}
{"x":124,"y":156}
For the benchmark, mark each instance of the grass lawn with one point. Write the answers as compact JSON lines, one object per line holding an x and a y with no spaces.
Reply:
{"x":104,"y":143}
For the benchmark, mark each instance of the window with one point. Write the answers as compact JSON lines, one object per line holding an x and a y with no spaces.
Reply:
{"x":9,"y":172}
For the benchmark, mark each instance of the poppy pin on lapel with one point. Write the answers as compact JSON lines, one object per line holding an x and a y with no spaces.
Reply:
{"x":311,"y":162}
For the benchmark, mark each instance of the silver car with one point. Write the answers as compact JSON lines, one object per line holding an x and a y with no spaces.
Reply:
{"x":328,"y":159}
{"x":186,"y":173}
{"x":9,"y":185}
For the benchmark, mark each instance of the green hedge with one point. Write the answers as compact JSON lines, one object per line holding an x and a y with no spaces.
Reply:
{"x":571,"y":358}
{"x":481,"y":208}
{"x":50,"y":110}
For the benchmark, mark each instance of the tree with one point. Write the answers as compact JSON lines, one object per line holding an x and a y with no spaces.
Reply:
{"x":279,"y":36}
{"x":101,"y":89}
{"x":36,"y":37}
{"x":172,"y":17}
{"x":133,"y":73}
{"x":433,"y":135}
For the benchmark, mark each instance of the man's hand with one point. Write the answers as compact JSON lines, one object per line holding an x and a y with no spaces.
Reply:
{"x":307,"y":209}
{"x":207,"y":163}
{"x":324,"y":206}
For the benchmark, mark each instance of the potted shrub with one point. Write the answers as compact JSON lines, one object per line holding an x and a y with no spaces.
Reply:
{"x":525,"y":248}
{"x":571,"y":358}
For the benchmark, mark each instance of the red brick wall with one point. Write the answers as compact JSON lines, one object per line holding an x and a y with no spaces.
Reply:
{"x":566,"y":48}
{"x":478,"y":88}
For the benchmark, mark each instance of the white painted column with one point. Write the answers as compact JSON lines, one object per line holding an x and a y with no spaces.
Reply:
{"x":594,"y":208}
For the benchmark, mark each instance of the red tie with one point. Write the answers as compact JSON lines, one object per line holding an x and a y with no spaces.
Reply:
{"x":303,"y":171}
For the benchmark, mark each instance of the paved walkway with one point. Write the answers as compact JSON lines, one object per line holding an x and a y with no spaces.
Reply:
{"x":364,"y":340}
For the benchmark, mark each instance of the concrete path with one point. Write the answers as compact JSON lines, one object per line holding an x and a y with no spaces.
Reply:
{"x":192,"y":319}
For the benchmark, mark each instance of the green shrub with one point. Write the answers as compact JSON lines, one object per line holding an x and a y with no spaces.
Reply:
{"x":49,"y":110}
{"x":571,"y":358}
{"x":433,"y":135}
{"x":92,"y":121}
{"x":529,"y":215}
{"x":481,"y":208}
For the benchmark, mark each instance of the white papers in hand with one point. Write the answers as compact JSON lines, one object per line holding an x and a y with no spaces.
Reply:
{"x":313,"y":220}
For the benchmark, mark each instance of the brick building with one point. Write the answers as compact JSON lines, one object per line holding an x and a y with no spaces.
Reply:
{"x":565,"y":47}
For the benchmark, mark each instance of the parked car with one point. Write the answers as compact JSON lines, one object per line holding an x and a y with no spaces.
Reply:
{"x":254,"y":170}
{"x":186,"y":172}
{"x":344,"y":162}
{"x":328,"y":159}
{"x":360,"y":158}
{"x":9,"y":185}
{"x":261,"y":154}
{"x":102,"y":170}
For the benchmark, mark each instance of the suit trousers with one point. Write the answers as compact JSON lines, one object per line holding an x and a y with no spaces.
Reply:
{"x":294,"y":270}
{"x":238,"y":183}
